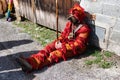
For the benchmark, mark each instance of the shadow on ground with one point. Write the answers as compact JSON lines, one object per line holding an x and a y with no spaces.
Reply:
{"x":10,"y":44}
{"x":89,"y":51}
{"x":10,"y":69}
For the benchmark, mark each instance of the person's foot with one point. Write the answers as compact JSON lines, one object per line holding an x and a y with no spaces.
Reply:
{"x":9,"y":19}
{"x":26,"y":67}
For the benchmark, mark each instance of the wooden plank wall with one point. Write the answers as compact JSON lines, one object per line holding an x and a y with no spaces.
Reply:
{"x":43,"y":12}
{"x":3,"y":6}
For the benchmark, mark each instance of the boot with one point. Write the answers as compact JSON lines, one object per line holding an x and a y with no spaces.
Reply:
{"x":26,"y":67}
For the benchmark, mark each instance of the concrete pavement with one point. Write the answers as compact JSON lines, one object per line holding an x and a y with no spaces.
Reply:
{"x":14,"y":42}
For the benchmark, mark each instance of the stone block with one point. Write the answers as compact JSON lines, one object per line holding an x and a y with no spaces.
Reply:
{"x":91,"y":6}
{"x":117,"y":25}
{"x":114,"y":48}
{"x":115,"y":36}
{"x":116,"y":2}
{"x":105,"y":21}
{"x":111,"y":10}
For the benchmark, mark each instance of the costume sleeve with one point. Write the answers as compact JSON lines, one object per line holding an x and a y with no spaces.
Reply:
{"x":80,"y":41}
{"x":65,"y":32}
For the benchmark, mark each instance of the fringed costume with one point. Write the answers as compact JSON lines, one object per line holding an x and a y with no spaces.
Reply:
{"x":71,"y":45}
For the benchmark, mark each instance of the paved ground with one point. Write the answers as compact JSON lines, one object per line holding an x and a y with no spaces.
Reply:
{"x":14,"y":42}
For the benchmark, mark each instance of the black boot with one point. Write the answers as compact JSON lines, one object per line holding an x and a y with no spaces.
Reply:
{"x":26,"y":67}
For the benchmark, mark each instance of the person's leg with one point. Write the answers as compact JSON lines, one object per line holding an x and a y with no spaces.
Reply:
{"x":54,"y":56}
{"x":41,"y":59}
{"x":35,"y":59}
{"x":10,"y":6}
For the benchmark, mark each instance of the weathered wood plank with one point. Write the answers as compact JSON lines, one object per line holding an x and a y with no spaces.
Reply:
{"x":44,"y":11}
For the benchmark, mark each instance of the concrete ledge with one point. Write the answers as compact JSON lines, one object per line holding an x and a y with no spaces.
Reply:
{"x":113,"y":47}
{"x":103,"y":26}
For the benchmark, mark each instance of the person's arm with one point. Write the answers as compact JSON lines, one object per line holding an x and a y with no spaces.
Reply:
{"x":83,"y":34}
{"x":65,"y":32}
{"x":64,"y":36}
{"x":80,"y":40}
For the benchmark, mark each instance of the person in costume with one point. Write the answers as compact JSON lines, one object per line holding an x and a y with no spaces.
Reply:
{"x":10,"y":6}
{"x":72,"y":42}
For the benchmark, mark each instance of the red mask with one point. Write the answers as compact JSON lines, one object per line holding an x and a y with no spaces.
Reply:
{"x":78,"y":12}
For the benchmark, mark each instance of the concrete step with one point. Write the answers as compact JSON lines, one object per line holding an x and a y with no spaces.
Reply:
{"x":101,"y":30}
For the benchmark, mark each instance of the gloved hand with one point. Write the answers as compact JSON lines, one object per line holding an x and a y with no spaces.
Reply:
{"x":58,"y":45}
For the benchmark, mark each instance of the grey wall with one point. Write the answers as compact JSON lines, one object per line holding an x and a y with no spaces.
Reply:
{"x":107,"y":23}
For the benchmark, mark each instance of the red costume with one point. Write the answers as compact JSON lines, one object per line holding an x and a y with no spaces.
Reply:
{"x":70,"y":46}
